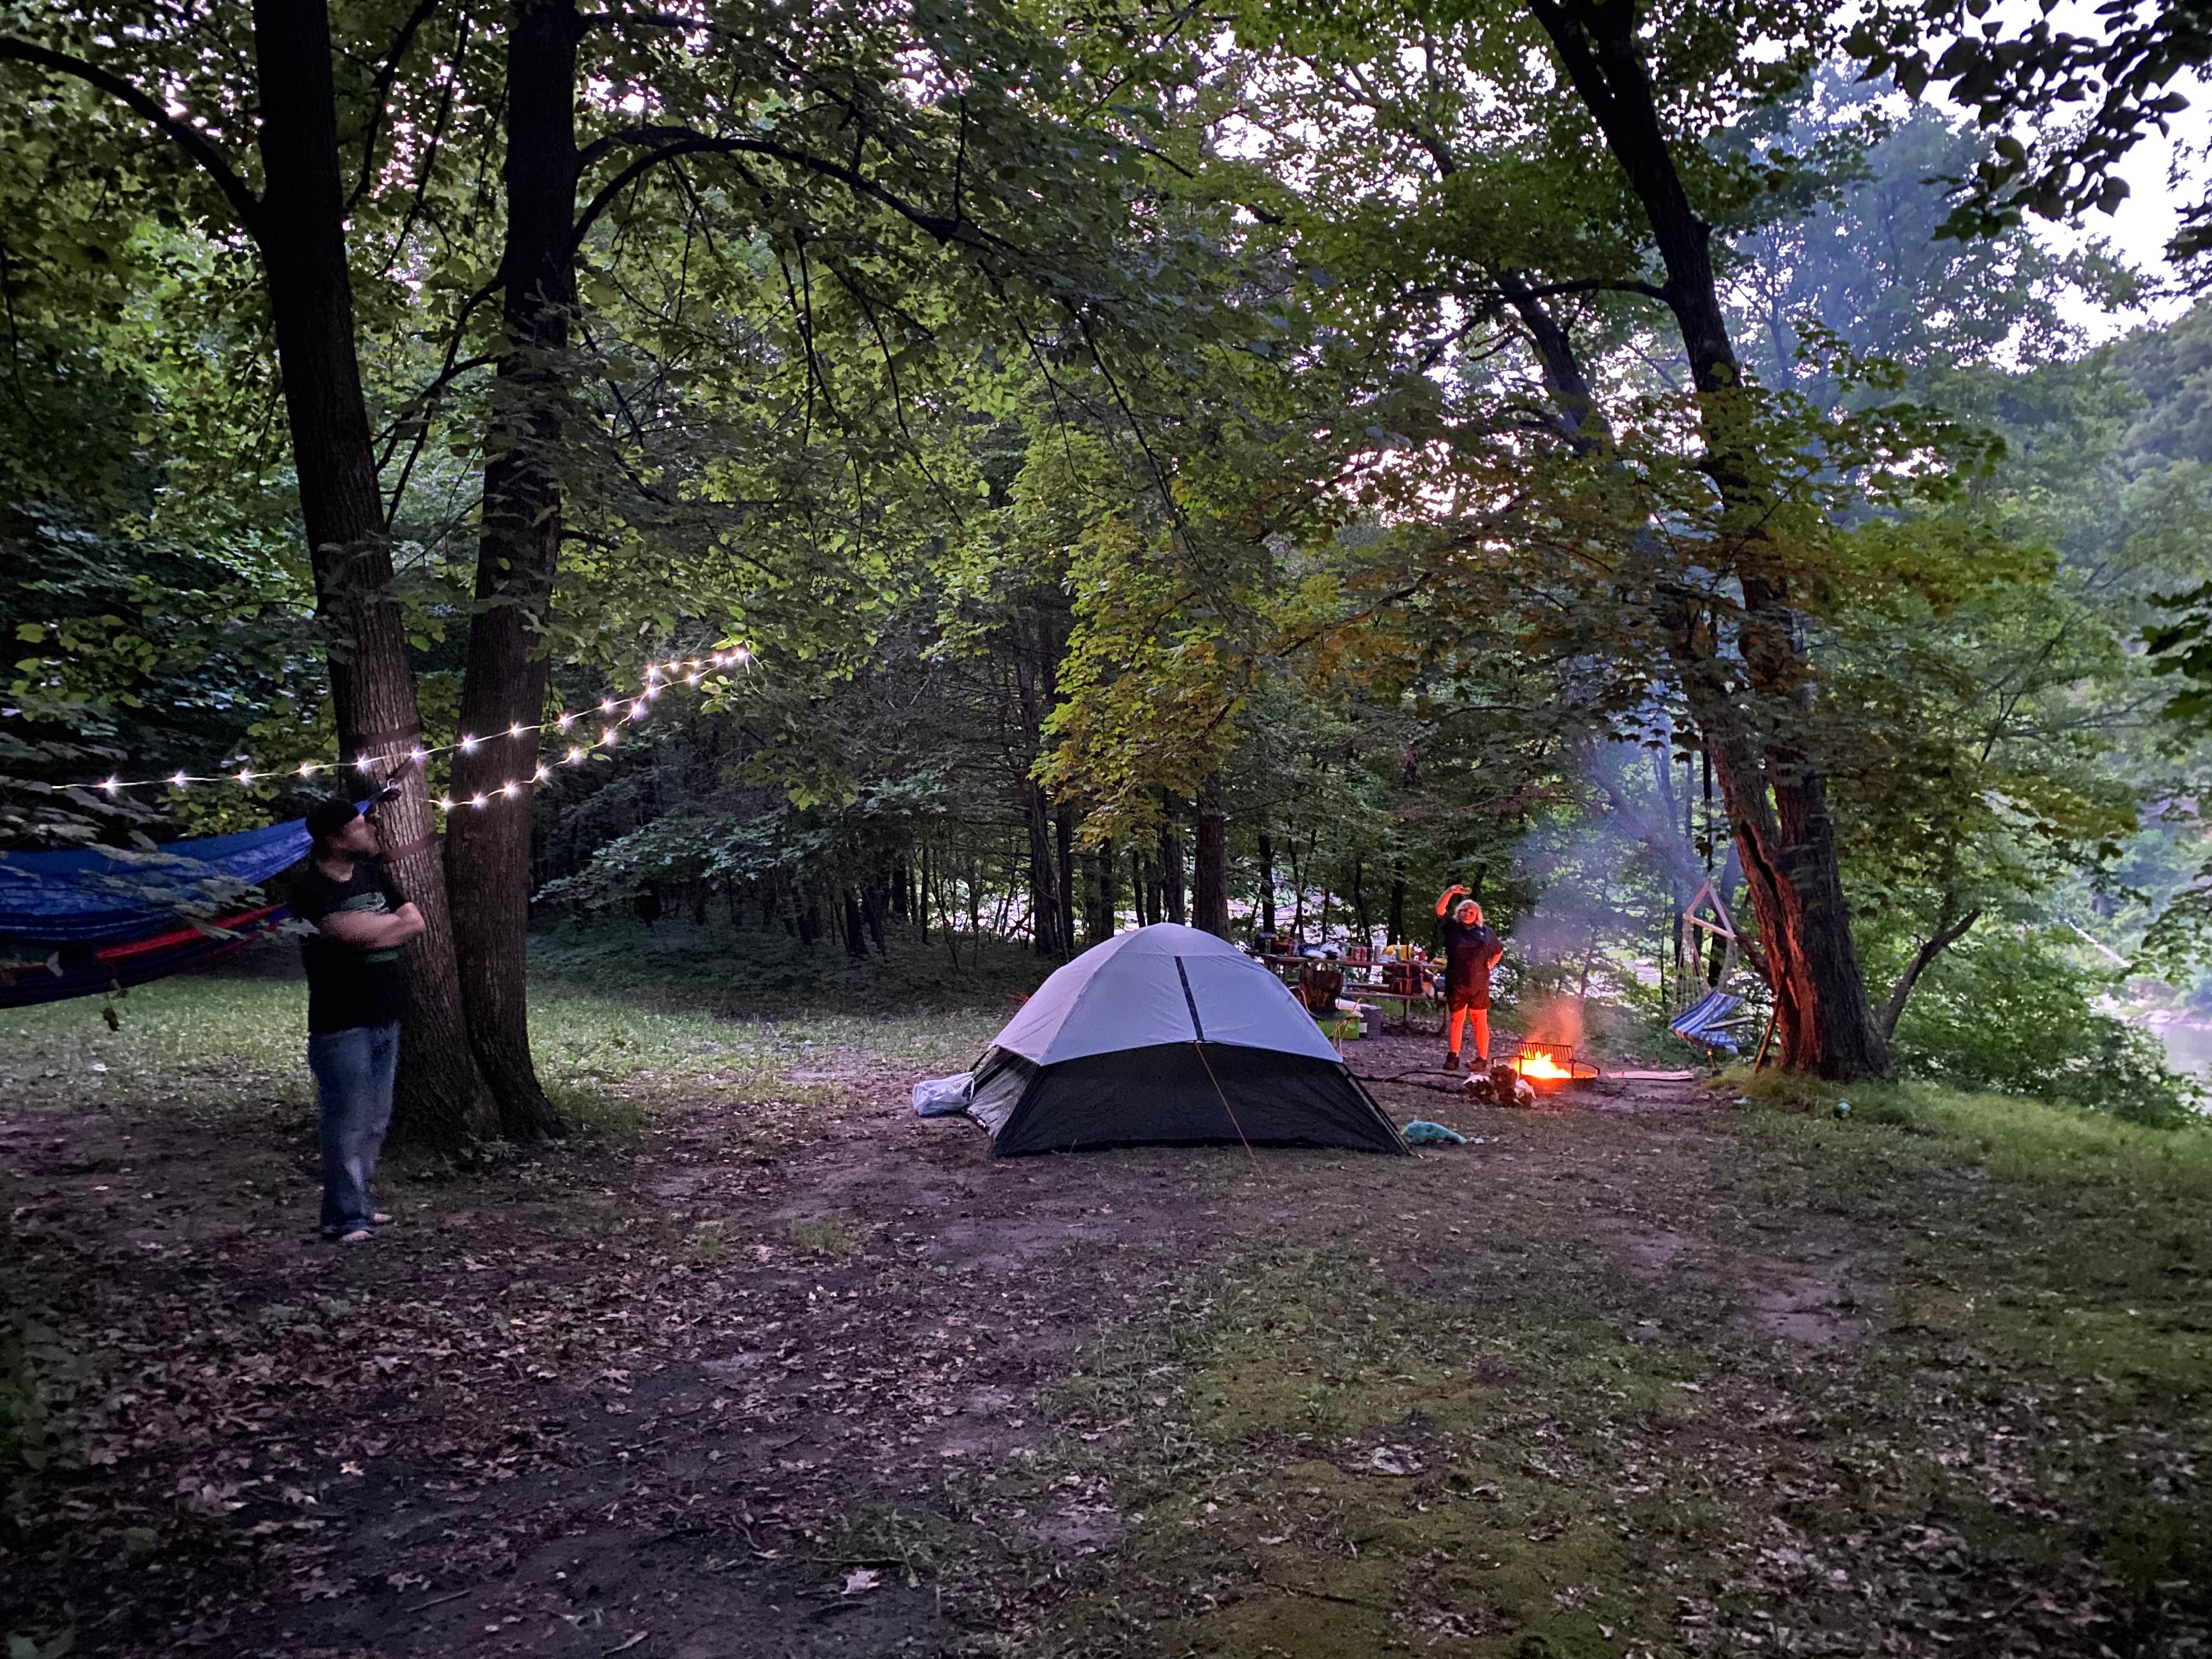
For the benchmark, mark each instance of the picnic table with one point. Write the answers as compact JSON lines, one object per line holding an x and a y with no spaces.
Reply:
{"x":1360,"y":990}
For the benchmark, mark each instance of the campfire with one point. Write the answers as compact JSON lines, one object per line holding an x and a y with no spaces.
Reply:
{"x":1550,"y":1066}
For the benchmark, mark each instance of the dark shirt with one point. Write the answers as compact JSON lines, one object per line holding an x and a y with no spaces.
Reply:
{"x":1470,"y":949}
{"x":348,"y":986}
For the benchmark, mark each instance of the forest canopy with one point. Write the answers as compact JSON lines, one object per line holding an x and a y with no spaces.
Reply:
{"x":1071,"y":466}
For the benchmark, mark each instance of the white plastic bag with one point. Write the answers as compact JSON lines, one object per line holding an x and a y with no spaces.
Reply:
{"x":943,"y":1097}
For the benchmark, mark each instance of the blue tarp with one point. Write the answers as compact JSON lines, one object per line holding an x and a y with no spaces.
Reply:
{"x":103,"y":894}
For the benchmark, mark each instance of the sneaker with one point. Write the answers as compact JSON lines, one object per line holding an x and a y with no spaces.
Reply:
{"x":1451,"y":1060}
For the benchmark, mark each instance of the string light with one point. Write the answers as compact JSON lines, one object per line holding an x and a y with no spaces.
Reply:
{"x":624,"y":712}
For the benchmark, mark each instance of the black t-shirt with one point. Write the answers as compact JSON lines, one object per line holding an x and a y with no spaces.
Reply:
{"x":348,"y":986}
{"x":1470,"y":949}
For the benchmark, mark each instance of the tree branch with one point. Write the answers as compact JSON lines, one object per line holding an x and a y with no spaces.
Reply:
{"x":188,"y":138}
{"x":667,"y":144}
{"x":386,"y":72}
{"x":1931,"y":948}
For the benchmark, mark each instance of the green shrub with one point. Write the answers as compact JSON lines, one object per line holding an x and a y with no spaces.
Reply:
{"x":2010,"y":1013}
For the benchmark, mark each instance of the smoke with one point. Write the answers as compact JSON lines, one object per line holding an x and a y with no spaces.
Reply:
{"x":1606,"y":882}
{"x":1555,"y":1018}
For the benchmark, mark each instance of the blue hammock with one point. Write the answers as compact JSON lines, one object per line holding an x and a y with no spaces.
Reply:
{"x":1705,"y":1023}
{"x":82,"y":922}
{"x":100,"y":895}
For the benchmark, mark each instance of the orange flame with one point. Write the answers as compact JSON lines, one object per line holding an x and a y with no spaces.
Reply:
{"x":1538,"y":1061}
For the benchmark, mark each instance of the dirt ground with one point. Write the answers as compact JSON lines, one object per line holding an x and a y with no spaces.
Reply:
{"x":807,"y":1376}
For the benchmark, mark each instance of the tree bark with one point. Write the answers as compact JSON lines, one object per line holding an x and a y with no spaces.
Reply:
{"x":1063,"y":830}
{"x":1210,"y":863}
{"x":1772,"y":788}
{"x":518,"y":550}
{"x":1396,"y":932}
{"x":1266,"y":883}
{"x":1171,"y":888}
{"x":1104,"y":900}
{"x":442,"y":1100}
{"x":1044,"y":899}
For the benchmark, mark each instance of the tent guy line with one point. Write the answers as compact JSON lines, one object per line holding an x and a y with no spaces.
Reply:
{"x":621,"y":711}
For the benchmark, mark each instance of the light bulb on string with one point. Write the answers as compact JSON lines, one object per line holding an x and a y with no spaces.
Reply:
{"x":655,"y":678}
{"x":446,"y":802}
{"x":478,"y":801}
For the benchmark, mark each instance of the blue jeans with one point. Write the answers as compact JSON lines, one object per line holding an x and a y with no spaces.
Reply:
{"x":354,"y":1072}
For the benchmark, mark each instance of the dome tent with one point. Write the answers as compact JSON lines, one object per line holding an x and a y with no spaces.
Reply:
{"x":1169,"y":1034}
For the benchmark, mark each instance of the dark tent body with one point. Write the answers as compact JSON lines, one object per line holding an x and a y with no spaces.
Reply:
{"x":1167,"y":1034}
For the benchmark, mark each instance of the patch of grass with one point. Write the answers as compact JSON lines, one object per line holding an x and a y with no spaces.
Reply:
{"x":2095,"y":1248}
{"x":209,"y":1045}
{"x":232,"y":1046}
{"x":831,"y":1235}
{"x":739,"y":972}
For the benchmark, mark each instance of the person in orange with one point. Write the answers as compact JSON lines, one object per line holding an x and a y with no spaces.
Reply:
{"x":1471,"y":951}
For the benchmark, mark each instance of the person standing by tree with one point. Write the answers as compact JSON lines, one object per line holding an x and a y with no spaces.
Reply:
{"x":356,"y":997}
{"x":1471,"y":951}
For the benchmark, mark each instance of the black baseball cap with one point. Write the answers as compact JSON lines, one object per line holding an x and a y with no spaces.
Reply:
{"x":326,"y":818}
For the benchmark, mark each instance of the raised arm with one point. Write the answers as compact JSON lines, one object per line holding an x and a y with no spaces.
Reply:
{"x":372,"y":933}
{"x":1443,"y":900}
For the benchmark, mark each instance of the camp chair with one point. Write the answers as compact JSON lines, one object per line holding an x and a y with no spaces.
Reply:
{"x":1319,"y":987}
{"x":1706,"y":1022}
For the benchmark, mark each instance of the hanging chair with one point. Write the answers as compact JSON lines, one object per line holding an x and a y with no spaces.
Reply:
{"x":1707,"y":1022}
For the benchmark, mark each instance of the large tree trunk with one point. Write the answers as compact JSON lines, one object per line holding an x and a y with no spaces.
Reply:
{"x":1210,"y":863}
{"x":1266,"y":883}
{"x":1044,"y":896}
{"x":503,"y":684}
{"x":442,"y":1100}
{"x":1772,"y":786}
{"x":1171,"y":889}
{"x":1104,"y":900}
{"x":1063,"y":829}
